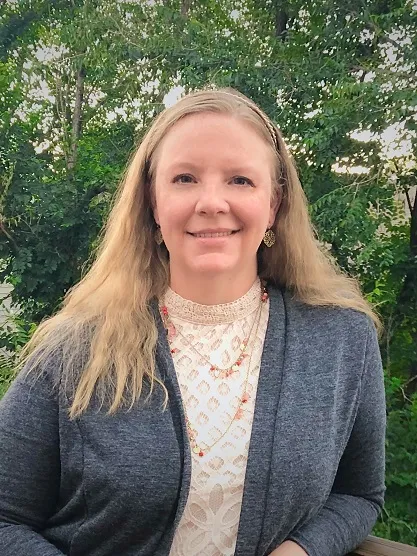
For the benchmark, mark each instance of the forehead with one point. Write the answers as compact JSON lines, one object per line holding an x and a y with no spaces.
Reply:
{"x":202,"y":138}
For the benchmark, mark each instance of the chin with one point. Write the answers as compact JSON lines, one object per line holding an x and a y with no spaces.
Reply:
{"x":214,"y":266}
{"x":209,"y":270}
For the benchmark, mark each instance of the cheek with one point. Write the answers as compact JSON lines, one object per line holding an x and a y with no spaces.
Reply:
{"x":172,"y":215}
{"x":255,"y":214}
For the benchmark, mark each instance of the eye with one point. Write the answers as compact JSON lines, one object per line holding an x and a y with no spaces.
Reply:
{"x":241,"y":180}
{"x":183,"y":178}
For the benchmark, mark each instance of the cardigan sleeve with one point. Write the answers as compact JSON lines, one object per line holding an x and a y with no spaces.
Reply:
{"x":357,"y":495}
{"x":29,"y":467}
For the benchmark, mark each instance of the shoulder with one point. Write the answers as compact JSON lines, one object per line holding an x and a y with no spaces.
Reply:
{"x":323,"y":325}
{"x":56,"y":360}
{"x":39,"y":375}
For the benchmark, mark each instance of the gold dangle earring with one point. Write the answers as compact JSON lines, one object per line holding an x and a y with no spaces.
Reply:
{"x":158,"y":236}
{"x":269,"y":238}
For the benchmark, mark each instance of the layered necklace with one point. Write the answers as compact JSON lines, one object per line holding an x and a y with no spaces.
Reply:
{"x":245,"y":351}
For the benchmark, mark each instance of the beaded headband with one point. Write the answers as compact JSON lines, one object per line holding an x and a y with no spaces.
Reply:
{"x":255,"y":109}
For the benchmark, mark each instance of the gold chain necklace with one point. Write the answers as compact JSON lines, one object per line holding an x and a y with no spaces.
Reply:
{"x":215,"y":370}
{"x":202,"y":448}
{"x":196,"y":447}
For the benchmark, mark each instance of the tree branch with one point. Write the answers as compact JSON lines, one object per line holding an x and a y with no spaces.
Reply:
{"x":12,"y":242}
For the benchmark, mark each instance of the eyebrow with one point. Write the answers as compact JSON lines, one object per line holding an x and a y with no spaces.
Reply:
{"x":235,"y":170}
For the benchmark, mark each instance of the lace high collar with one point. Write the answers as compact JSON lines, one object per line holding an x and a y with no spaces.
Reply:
{"x":189,"y":311}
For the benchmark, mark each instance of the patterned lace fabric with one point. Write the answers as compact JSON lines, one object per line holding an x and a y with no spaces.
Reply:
{"x":210,"y":521}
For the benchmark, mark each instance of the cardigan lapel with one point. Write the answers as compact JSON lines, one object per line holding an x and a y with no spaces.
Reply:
{"x":165,"y":367}
{"x":263,"y":429}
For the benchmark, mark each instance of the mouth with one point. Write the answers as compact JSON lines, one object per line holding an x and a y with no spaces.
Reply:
{"x":213,"y":234}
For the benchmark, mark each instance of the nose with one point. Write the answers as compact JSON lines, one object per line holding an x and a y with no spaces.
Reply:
{"x":212,"y":199}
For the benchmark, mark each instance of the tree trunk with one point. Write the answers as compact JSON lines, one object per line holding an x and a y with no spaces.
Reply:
{"x":413,"y":286}
{"x":408,"y":296}
{"x":413,"y":228}
{"x":185,"y":7}
{"x":281,"y":19}
{"x":76,"y":118}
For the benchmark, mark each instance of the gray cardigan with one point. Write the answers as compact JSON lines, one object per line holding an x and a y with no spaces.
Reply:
{"x":107,"y":486}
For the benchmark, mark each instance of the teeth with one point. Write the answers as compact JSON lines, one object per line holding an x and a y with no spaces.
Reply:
{"x":219,"y":234}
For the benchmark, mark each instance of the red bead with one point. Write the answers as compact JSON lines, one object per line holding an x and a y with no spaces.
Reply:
{"x":201,"y":454}
{"x":239,"y":413}
{"x":239,"y":362}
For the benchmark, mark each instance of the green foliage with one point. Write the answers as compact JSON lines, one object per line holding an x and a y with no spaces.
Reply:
{"x":15,"y":333}
{"x":6,"y":373}
{"x":398,"y":520}
{"x":322,"y":70}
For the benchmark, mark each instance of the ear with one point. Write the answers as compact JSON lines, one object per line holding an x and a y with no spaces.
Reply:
{"x":276,"y":203}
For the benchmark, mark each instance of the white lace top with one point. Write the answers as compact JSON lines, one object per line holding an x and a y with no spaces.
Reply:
{"x":210,"y":521}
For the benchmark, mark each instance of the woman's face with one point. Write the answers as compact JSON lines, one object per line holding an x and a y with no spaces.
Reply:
{"x":213,"y":188}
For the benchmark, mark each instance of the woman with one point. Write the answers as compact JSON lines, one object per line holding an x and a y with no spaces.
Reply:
{"x":213,"y":385}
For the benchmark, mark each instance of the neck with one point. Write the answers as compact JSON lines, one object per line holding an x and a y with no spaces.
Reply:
{"x":212,"y":290}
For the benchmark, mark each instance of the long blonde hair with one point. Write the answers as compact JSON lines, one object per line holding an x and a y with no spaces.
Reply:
{"x":106,"y":331}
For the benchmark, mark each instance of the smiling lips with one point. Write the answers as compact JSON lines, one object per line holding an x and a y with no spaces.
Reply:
{"x":213,"y":233}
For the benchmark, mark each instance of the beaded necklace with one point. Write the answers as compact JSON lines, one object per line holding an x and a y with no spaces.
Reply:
{"x":201,"y":448}
{"x":215,"y":370}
